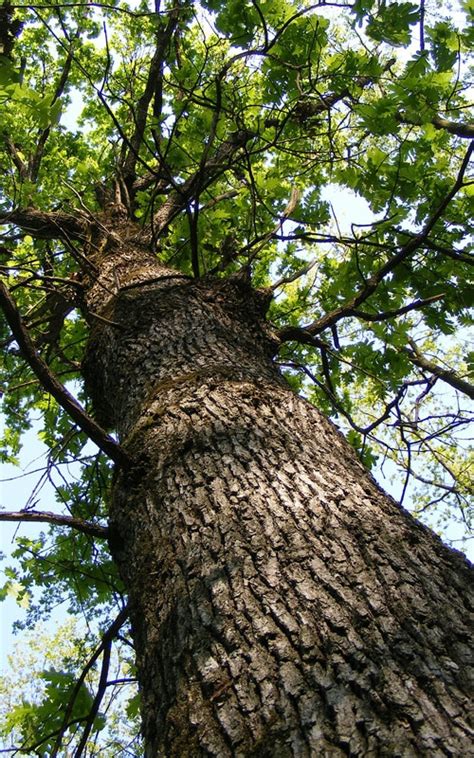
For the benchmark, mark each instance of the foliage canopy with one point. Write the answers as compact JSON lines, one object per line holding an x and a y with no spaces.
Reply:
{"x":321,"y":148}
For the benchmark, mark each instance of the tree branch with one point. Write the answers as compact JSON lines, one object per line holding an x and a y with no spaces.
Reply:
{"x":47,"y":225}
{"x":454,"y":254}
{"x":95,"y":530}
{"x":293,"y":277}
{"x":97,"y":90}
{"x":102,"y":686}
{"x":218,"y":199}
{"x":107,"y":638}
{"x":202,"y":178}
{"x":447,"y":375}
{"x":309,"y":108}
{"x":460,"y":129}
{"x":261,"y":241}
{"x":103,"y":441}
{"x":17,"y":160}
{"x":35,"y":162}
{"x":154,"y":79}
{"x":104,"y":647}
{"x":343,"y":311}
{"x":385,"y":315}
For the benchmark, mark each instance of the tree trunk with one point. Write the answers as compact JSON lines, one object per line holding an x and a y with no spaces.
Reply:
{"x":281,"y":603}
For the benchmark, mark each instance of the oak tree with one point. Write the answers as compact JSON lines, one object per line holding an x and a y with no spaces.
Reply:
{"x":223,"y":225}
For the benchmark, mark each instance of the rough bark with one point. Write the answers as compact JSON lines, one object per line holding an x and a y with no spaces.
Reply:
{"x":281,"y":603}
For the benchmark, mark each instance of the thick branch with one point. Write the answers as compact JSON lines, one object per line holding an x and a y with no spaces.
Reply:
{"x":17,"y":160}
{"x":148,"y":180}
{"x":447,"y":375}
{"x":309,"y":108}
{"x":103,"y":441}
{"x":454,"y":127}
{"x":448,"y":252}
{"x":201,"y":179}
{"x":153,"y":84}
{"x":95,"y":530}
{"x":47,"y":225}
{"x":458,"y":128}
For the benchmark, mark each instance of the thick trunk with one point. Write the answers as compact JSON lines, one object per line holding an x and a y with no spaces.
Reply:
{"x":281,"y":604}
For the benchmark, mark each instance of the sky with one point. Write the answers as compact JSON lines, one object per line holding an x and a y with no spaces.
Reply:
{"x":16,"y":486}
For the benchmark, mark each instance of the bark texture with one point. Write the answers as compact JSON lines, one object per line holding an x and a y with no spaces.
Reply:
{"x":281,"y":604}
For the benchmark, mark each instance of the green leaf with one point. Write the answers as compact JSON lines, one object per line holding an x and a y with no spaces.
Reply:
{"x":445,"y":45}
{"x":8,"y":73}
{"x":392,"y":23}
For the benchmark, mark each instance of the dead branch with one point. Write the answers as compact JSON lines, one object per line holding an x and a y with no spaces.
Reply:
{"x":95,"y":530}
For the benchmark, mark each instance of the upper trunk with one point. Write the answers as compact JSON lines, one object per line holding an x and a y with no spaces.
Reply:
{"x":281,"y":604}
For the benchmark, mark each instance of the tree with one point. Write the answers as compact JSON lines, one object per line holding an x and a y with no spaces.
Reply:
{"x":43,"y":671}
{"x":178,"y":260}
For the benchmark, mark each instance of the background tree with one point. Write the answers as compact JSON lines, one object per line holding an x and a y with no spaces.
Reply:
{"x":44,"y":669}
{"x":167,"y":256}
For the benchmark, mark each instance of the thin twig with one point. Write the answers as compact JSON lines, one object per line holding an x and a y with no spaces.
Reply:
{"x":104,"y":672}
{"x":107,"y":638}
{"x":347,"y":309}
{"x":385,"y":315}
